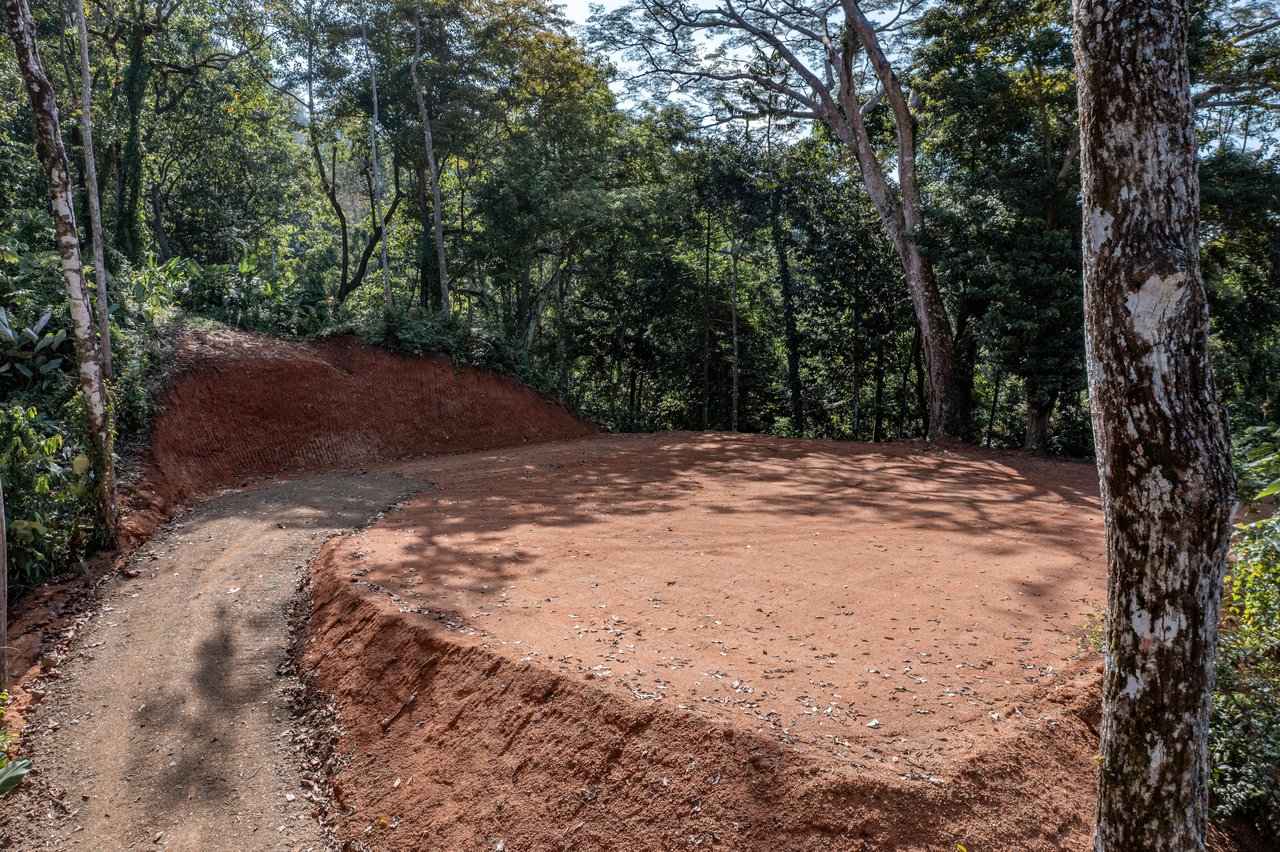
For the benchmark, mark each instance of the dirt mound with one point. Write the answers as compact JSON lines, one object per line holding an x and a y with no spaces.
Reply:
{"x":657,"y":642}
{"x":241,"y":407}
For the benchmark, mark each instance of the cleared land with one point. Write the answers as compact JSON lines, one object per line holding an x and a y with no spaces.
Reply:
{"x":668,"y":641}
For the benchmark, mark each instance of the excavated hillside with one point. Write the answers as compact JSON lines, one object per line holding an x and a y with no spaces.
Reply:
{"x":242,"y":407}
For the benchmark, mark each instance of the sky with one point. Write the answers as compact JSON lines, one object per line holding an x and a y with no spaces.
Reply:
{"x":579,"y":10}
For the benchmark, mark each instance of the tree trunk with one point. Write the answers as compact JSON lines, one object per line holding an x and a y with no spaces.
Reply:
{"x":877,"y":429}
{"x":900,"y":215}
{"x":733,"y":318}
{"x":791,"y":334}
{"x":129,"y":195}
{"x":706,"y":332}
{"x":1160,"y":435}
{"x":991,"y":415}
{"x":91,"y":185}
{"x":922,"y":398}
{"x":373,"y":166}
{"x":429,"y":295}
{"x":330,"y":187}
{"x":53,"y":157}
{"x":157,"y":223}
{"x":1039,"y":410}
{"x":901,"y":429}
{"x":437,"y":215}
{"x":371,"y":245}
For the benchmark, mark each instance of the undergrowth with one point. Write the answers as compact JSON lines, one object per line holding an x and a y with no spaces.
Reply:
{"x":1245,"y":715}
{"x":12,"y":768}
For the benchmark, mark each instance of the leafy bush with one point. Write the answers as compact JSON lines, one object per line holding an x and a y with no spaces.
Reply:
{"x":417,"y":332}
{"x":1245,"y":721}
{"x":29,"y":356}
{"x":49,"y":496}
{"x":247,"y":297}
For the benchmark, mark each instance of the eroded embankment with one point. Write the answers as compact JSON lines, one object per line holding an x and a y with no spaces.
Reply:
{"x":739,"y":642}
{"x":456,"y":747}
{"x":241,"y":407}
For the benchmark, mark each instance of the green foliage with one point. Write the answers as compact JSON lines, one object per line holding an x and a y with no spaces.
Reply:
{"x":12,"y":770}
{"x":1245,"y":722}
{"x":12,"y":773}
{"x":30,"y":355}
{"x":49,"y":495}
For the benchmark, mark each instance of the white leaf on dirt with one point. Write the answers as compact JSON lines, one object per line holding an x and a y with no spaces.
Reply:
{"x":874,"y":723}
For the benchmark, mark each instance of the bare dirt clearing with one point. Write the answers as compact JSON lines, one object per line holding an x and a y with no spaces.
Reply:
{"x":742,"y":642}
{"x":168,"y":725}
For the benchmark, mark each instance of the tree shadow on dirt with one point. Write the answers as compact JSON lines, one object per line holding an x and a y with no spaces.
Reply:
{"x":461,"y":542}
{"x":191,"y":730}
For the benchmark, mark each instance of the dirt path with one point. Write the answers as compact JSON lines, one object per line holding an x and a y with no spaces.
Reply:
{"x":168,"y":726}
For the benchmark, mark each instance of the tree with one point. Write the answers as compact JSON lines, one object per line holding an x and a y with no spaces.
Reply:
{"x":374,"y":170}
{"x":1160,"y":435}
{"x":815,"y":58}
{"x":998,"y":153}
{"x":91,"y":181}
{"x":432,"y":170}
{"x":53,"y":158}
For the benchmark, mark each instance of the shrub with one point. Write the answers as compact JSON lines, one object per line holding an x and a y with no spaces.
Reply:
{"x":50,"y":503}
{"x":1245,"y":720}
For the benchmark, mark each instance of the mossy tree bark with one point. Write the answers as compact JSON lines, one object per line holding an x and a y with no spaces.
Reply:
{"x":1161,"y":437}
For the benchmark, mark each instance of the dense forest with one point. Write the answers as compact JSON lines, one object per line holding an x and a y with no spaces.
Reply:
{"x":669,"y":216}
{"x":659,"y":248}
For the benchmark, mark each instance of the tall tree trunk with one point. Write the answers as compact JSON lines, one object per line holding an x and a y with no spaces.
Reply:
{"x":733,"y":319}
{"x":430,"y":295}
{"x":877,"y":429}
{"x":437,"y":214}
{"x":900,"y":214}
{"x":922,"y":398}
{"x":129,"y":194}
{"x":991,"y":415}
{"x":790,"y":332}
{"x":562,"y":341}
{"x":330,"y":187}
{"x":373,"y":166}
{"x":706,"y":331}
{"x":91,"y":185}
{"x":900,"y":429}
{"x":1163,"y":456}
{"x":53,"y":157}
{"x":157,"y":223}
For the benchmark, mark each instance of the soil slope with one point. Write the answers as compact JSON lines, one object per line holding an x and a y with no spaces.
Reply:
{"x":241,"y":407}
{"x":657,"y":642}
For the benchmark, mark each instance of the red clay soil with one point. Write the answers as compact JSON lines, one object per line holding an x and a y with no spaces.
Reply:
{"x":242,"y":407}
{"x":239,"y":408}
{"x":672,"y":641}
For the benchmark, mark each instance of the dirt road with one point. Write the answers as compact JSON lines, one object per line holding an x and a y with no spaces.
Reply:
{"x":168,"y":726}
